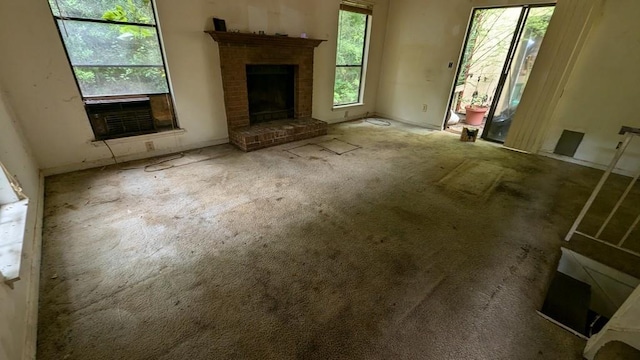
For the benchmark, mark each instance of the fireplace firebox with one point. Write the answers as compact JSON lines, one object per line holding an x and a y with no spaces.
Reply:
{"x":271,"y":92}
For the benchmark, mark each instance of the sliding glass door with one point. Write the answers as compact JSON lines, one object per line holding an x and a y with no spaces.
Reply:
{"x":500,"y":49}
{"x":517,"y":70}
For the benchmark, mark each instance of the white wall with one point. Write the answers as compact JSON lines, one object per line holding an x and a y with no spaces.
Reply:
{"x":423,"y":36}
{"x":40,"y":84}
{"x":602,"y":92}
{"x":18,"y":306}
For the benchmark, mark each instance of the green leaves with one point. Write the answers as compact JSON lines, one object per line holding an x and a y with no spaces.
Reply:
{"x":351,"y":38}
{"x":135,"y":11}
{"x":352,"y":32}
{"x":117,"y":14}
{"x":347,"y":85}
{"x":119,"y":58}
{"x":131,"y":14}
{"x":121,"y":80}
{"x":538,"y":21}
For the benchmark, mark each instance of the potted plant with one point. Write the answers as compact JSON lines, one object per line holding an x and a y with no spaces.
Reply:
{"x":477,"y":108}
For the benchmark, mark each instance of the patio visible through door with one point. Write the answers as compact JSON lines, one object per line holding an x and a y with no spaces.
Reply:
{"x":499,"y":53}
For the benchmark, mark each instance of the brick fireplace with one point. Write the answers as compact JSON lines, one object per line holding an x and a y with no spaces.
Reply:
{"x":249,"y":61}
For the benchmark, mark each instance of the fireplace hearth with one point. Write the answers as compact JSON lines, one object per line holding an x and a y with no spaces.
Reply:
{"x":268,"y":88}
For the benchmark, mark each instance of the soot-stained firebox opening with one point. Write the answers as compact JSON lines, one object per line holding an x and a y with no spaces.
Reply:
{"x":271,"y":92}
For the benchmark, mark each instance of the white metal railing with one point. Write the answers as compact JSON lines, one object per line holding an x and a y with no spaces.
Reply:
{"x":629,"y":133}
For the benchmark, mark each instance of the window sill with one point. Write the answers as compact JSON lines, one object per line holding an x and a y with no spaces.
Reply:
{"x":340,"y":107}
{"x":138,"y":138}
{"x":13,"y":220}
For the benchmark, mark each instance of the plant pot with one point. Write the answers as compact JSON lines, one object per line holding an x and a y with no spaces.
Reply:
{"x":475,"y":115}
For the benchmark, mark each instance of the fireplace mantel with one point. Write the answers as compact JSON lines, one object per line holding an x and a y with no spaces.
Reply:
{"x":233,"y":38}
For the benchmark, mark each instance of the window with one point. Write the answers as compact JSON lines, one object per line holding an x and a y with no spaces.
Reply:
{"x":13,"y":219}
{"x":353,"y":28}
{"x":114,"y":50}
{"x":113,"y":46}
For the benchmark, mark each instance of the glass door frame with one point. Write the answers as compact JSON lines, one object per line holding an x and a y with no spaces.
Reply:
{"x":508,"y":61}
{"x":524,"y":15}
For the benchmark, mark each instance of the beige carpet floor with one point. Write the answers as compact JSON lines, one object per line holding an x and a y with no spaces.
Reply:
{"x":408,"y":245}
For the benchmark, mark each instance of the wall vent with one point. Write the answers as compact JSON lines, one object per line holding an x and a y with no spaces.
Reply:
{"x":569,"y":143}
{"x":111,"y":120}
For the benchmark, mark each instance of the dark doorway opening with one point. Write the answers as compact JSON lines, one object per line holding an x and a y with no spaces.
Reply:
{"x":271,"y":92}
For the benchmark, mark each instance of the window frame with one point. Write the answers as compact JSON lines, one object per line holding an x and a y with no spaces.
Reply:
{"x":13,"y":220}
{"x":155,"y":25}
{"x":364,"y":59}
{"x":124,"y":98}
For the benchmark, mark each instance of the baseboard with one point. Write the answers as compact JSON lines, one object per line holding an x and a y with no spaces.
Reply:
{"x":516,"y":150}
{"x":139,"y":156}
{"x":31,"y":332}
{"x":585,"y":163}
{"x":405,"y":121}
{"x":348,"y":118}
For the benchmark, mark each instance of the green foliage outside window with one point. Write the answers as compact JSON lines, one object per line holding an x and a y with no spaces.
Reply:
{"x":538,"y":22}
{"x":133,"y":11}
{"x":484,"y":22}
{"x":112,"y":59}
{"x":352,"y":32}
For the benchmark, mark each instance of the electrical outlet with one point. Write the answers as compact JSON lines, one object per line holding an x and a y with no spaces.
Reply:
{"x":346,"y":114}
{"x":424,"y":107}
{"x":150,"y":146}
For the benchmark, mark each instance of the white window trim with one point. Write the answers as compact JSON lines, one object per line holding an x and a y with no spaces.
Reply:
{"x":365,"y":60}
{"x":13,"y":221}
{"x":340,"y":107}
